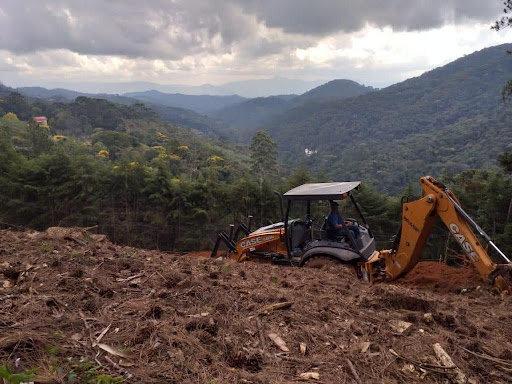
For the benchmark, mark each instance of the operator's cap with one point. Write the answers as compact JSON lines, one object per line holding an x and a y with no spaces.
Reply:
{"x":333,"y":203}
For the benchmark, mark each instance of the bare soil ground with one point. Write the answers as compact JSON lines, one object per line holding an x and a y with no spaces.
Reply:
{"x":77,"y":308}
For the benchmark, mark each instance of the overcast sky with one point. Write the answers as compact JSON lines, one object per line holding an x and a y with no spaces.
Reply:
{"x":375,"y":42}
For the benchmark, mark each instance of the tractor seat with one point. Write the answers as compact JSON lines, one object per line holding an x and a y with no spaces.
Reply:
{"x":327,"y":233}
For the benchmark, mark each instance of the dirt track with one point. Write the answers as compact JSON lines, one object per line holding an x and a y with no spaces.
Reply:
{"x":76,"y":307}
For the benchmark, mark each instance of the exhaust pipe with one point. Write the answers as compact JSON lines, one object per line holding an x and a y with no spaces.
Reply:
{"x":281,"y":209}
{"x":249,"y":221}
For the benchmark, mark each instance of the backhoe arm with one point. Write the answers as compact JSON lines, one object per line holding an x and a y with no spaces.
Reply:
{"x":419,"y":216}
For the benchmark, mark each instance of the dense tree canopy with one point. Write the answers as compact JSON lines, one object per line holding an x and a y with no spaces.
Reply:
{"x":451,"y":118}
{"x":263,"y":156}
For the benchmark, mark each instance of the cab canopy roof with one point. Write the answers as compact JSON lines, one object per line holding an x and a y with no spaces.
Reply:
{"x":322,"y":191}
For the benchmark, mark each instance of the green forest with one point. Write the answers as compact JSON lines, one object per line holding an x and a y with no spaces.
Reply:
{"x":153,"y":184}
{"x":452,"y":118}
{"x":142,"y":181}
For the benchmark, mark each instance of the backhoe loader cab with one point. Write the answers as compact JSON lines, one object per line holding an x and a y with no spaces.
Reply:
{"x":299,"y":240}
{"x":304,"y":243}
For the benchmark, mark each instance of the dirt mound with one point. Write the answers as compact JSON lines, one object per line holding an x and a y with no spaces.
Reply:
{"x":79,"y":309}
{"x":440,"y":277}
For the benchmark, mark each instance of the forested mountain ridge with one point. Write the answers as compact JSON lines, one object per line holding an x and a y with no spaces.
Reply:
{"x":333,"y":90}
{"x":66,"y":95}
{"x":86,"y":118}
{"x":5,"y":90}
{"x":244,"y":88}
{"x":231,"y":116}
{"x":193,"y":120}
{"x":186,"y":118}
{"x":56,"y":94}
{"x":244,"y":118}
{"x":451,"y":118}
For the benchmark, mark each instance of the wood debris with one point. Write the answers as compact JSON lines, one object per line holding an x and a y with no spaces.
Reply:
{"x":112,"y":350}
{"x":310,"y":375}
{"x":365,"y":346}
{"x":446,"y":360}
{"x":199,"y":315}
{"x":303,"y":349}
{"x":130,"y":278}
{"x":269,"y":308}
{"x":278,"y":341}
{"x":401,"y":327}
{"x":353,"y":371}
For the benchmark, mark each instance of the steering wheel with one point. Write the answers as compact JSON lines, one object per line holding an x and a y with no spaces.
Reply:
{"x":309,"y":221}
{"x":354,"y":221}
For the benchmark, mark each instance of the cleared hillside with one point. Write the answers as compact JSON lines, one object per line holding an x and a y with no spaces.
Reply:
{"x":75,"y":307}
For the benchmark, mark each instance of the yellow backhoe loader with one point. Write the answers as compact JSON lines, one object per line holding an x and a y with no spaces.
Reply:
{"x":294,"y":241}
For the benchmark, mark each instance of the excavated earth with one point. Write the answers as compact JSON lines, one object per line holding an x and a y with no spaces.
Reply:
{"x":76,"y":308}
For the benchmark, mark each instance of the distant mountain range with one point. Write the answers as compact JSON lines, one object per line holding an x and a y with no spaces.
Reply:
{"x":198,"y":103}
{"x":248,"y":88}
{"x":246,"y":117}
{"x":66,"y":95}
{"x":233,"y":116}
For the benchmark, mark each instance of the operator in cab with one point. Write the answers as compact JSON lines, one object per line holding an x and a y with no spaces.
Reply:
{"x":334,"y":223}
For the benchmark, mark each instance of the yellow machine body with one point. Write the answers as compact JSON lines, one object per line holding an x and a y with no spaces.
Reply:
{"x":271,"y":241}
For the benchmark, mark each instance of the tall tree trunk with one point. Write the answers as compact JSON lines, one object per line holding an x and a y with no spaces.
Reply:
{"x":509,"y":214}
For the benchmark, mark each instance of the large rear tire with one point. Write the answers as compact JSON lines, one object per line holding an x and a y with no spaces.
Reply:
{"x":330,"y":263}
{"x":321,"y":261}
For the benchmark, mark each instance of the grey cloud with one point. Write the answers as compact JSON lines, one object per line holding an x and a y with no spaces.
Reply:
{"x":157,"y":28}
{"x":175,"y":29}
{"x":329,"y":16}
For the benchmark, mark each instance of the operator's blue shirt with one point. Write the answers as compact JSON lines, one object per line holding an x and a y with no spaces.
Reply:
{"x":332,"y":220}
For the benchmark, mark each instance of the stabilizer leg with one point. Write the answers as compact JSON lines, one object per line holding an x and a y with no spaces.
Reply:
{"x":223,"y":237}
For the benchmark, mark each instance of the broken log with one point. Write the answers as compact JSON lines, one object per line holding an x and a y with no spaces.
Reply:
{"x":446,"y":360}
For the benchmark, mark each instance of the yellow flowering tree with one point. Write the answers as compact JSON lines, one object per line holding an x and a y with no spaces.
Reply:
{"x":58,"y":138}
{"x":103,"y":154}
{"x":10,"y":117}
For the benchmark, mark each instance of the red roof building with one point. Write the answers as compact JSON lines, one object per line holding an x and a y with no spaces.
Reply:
{"x":41,"y":120}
